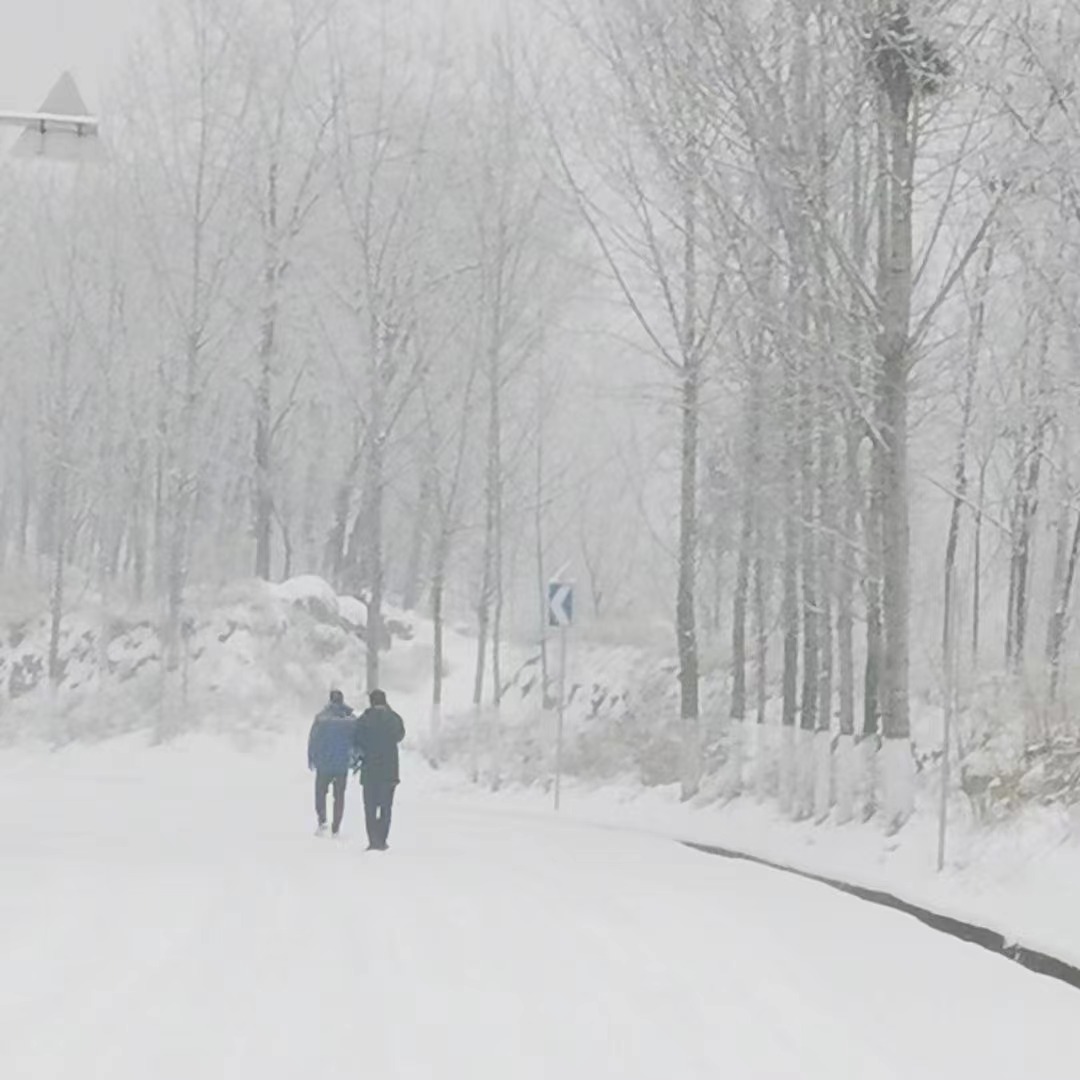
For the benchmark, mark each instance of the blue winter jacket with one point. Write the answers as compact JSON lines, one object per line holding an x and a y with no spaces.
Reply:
{"x":332,"y":742}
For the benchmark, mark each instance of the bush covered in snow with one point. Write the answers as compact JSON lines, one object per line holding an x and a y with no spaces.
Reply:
{"x":621,"y":721}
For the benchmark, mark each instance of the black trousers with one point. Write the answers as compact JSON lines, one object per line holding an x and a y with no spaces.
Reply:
{"x":378,"y":809}
{"x":323,"y":781}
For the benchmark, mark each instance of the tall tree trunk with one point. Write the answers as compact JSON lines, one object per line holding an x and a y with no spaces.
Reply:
{"x":335,"y":558}
{"x":498,"y":599}
{"x":438,"y":589}
{"x":804,"y":413}
{"x":875,"y":636}
{"x":60,"y":524}
{"x":761,"y":672}
{"x":26,"y":505}
{"x":373,"y":563}
{"x":790,"y":600}
{"x":137,"y":527}
{"x":1062,"y":532}
{"x":483,"y":621}
{"x":264,"y":497}
{"x":827,"y":556}
{"x":894,"y":345}
{"x":692,"y":374}
{"x":546,"y":700}
{"x":738,"y":640}
{"x":862,"y":216}
{"x":59,"y":514}
{"x":845,"y":627}
{"x":1026,"y":511}
{"x":491,"y":483}
{"x":5,"y":525}
{"x":445,"y":501}
{"x":1060,"y":618}
{"x":264,"y":501}
{"x":686,"y":627}
{"x":739,"y":616}
{"x":976,"y":569}
{"x":184,"y":488}
{"x":488,"y":586}
{"x":56,"y":604}
{"x":960,"y":474}
{"x":411,"y":591}
{"x":810,"y":597}
{"x":498,"y":604}
{"x":753,"y":462}
{"x":286,"y":542}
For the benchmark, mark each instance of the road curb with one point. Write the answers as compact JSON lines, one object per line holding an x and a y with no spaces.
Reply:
{"x":1041,"y":963}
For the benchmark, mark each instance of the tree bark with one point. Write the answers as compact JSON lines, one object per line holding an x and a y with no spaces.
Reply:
{"x":976,"y":570}
{"x":960,"y":473}
{"x":739,"y":621}
{"x":686,"y":627}
{"x":1023,"y":524}
{"x":335,"y":558}
{"x":847,"y":576}
{"x":438,"y":588}
{"x":59,"y":553}
{"x":894,"y":346}
{"x":264,"y":498}
{"x":1060,"y":618}
{"x":807,"y":425}
{"x":761,"y":674}
{"x":789,"y":602}
{"x":827,"y":557}
{"x":412,"y":589}
{"x":373,"y":563}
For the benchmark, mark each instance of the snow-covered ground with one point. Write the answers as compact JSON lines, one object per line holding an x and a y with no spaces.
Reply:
{"x":262,"y":656}
{"x":167,"y":913}
{"x":1021,"y":879}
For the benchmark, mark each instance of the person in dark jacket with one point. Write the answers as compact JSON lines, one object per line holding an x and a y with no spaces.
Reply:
{"x":331,"y":747}
{"x":379,"y":733}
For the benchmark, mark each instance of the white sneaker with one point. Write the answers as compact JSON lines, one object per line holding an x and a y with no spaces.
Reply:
{"x":320,"y":830}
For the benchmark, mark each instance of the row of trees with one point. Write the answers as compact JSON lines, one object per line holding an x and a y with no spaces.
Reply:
{"x":806,"y":207}
{"x":393,"y":296}
{"x":291,"y":326}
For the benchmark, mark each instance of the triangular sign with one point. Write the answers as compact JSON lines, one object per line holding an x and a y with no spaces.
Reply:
{"x":61,"y":142}
{"x":64,"y":98}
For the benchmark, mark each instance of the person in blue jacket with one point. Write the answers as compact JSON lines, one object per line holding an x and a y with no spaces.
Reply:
{"x":331,"y":752}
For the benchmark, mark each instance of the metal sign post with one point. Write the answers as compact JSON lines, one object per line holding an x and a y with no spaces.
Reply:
{"x":560,"y":615}
{"x":951,"y":700}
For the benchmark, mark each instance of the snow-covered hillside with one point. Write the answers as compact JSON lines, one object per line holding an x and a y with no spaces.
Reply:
{"x":254,"y":656}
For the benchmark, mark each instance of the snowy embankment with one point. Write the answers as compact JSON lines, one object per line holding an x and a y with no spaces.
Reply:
{"x":259,"y":660}
{"x":254,"y":657}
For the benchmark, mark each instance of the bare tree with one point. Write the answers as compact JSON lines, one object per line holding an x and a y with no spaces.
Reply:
{"x":655,"y":67}
{"x":186,"y":195}
{"x":288,"y":155}
{"x":386,"y":186}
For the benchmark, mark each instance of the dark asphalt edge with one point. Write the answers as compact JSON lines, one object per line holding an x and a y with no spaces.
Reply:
{"x":1041,"y":963}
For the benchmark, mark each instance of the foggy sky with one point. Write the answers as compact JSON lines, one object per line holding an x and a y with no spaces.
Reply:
{"x":41,"y":38}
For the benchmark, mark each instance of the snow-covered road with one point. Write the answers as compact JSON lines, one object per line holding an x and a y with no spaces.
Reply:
{"x":167,"y":915}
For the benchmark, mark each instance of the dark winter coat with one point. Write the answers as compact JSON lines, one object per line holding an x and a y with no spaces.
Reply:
{"x":379,"y":731}
{"x":332,"y":742}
